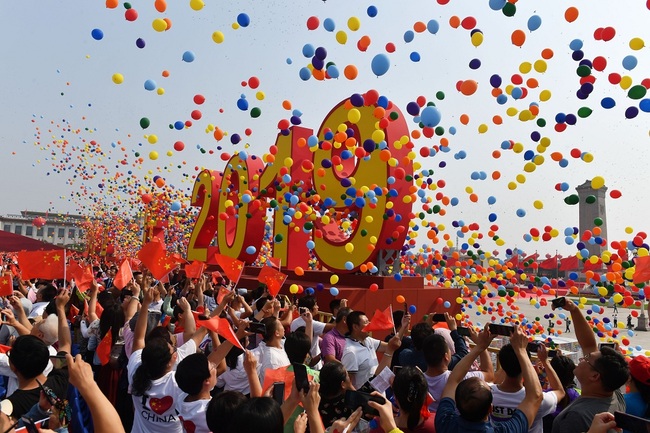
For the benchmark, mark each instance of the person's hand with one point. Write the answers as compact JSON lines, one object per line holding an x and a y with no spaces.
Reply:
{"x":250,"y":363}
{"x":148,"y":294}
{"x":518,"y":339}
{"x":135,"y":288}
{"x":393,"y":344}
{"x":350,"y":423}
{"x":9,"y":319}
{"x":406,"y":322}
{"x":311,"y":400}
{"x":485,"y":337}
{"x":386,"y":419}
{"x":451,"y":322}
{"x":300,"y":424}
{"x":276,"y":306}
{"x":18,"y":294}
{"x":62,"y":299}
{"x":184,"y":304}
{"x":473,"y":335}
{"x":602,"y":423}
{"x":16,"y":304}
{"x":569,"y":305}
{"x":542,"y":353}
{"x":344,"y":303}
{"x":80,"y":373}
{"x":306,"y":316}
{"x":242,"y":329}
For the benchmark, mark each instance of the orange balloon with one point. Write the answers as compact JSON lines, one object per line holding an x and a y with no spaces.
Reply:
{"x":497,"y":120}
{"x":454,"y":22}
{"x":464,"y":119}
{"x":496,"y":174}
{"x":419,"y":27}
{"x":400,"y":299}
{"x":468,"y":87}
{"x":350,"y":72}
{"x":518,"y":38}
{"x":299,"y":271}
{"x":112,"y":4}
{"x":169,"y":23}
{"x":571,"y":14}
{"x":547,"y":53}
{"x":160,"y":5}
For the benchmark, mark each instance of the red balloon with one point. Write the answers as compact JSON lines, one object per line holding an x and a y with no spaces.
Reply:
{"x":131,"y":14}
{"x":196,"y":114}
{"x":598,"y":34}
{"x":599,"y":63}
{"x":608,"y":33}
{"x":312,"y":23}
{"x":199,"y":99}
{"x":468,"y":23}
{"x":179,"y":146}
{"x":253,"y":82}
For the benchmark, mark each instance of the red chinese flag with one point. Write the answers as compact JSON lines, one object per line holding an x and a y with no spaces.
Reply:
{"x":99,"y":309}
{"x":569,"y":263}
{"x":275,"y":262}
{"x":48,"y":265}
{"x":272,"y":278}
{"x":82,"y":275}
{"x":220,"y":295}
{"x":195,"y":269}
{"x":6,"y":286}
{"x":73,"y":313}
{"x":641,"y":269}
{"x":222,"y":327}
{"x":154,"y":257}
{"x":104,"y":348}
{"x":381,"y":321}
{"x":4,"y":349}
{"x":124,"y":275}
{"x":233,"y":268}
{"x":216,"y":275}
{"x":282,"y":374}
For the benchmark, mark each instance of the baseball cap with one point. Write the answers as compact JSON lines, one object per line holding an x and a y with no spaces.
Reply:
{"x":640,"y":369}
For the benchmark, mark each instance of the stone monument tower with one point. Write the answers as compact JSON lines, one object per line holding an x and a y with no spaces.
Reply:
{"x":592,"y":206}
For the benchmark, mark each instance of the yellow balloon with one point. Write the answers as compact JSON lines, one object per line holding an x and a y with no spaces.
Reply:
{"x":529,"y":167}
{"x":544,"y":95}
{"x":617,"y":297}
{"x":159,"y":25}
{"x":602,"y":291}
{"x":354,"y":24}
{"x":341,"y":37}
{"x":218,"y":37}
{"x":334,"y":279}
{"x":477,"y":39}
{"x":153,"y":155}
{"x":512,"y":186}
{"x":642,"y":252}
{"x":597,"y":182}
{"x":197,"y":5}
{"x":160,"y":91}
{"x":293,"y":289}
{"x":525,"y":67}
{"x":512,"y":111}
{"x":540,"y":66}
{"x":518,"y":147}
{"x":629,"y":230}
{"x":152,"y":139}
{"x":354,"y":115}
{"x":260,"y":95}
{"x":521,"y":178}
{"x":378,"y":135}
{"x":118,"y":78}
{"x":482,"y":128}
{"x":538,"y":204}
{"x":636,"y":44}
{"x":588,"y":157}
{"x":626,"y":82}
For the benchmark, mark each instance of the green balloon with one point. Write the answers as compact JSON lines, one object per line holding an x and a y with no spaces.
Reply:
{"x":585,"y":112}
{"x":598,"y":222}
{"x":572,"y":199}
{"x":541,"y":122}
{"x":440,"y":95}
{"x":591,"y":199}
{"x":439,"y":130}
{"x":509,"y":9}
{"x":144,"y":123}
{"x":256,"y":112}
{"x":583,"y":71}
{"x":393,"y":115}
{"x":637,"y":92}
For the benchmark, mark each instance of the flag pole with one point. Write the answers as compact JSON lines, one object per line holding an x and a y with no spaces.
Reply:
{"x":391,"y":316}
{"x":65,"y":268}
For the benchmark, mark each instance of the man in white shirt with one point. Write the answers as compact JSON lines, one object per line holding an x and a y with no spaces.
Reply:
{"x":44,"y":296}
{"x":270,"y":352}
{"x":360,"y":353}
{"x":319,"y":328}
{"x":507,"y":395}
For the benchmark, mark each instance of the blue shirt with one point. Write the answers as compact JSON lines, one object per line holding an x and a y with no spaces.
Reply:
{"x":448,"y":421}
{"x":635,"y":405}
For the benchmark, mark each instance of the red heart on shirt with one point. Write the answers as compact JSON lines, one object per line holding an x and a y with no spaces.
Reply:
{"x":189,"y":426}
{"x":161,"y":405}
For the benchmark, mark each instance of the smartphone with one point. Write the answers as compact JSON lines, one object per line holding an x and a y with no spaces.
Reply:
{"x":552,"y":353}
{"x":300,"y":376}
{"x":611,"y":345}
{"x":463,"y":331}
{"x":355,"y":399}
{"x":242,"y":292}
{"x":303,"y":310}
{"x":498,"y":329}
{"x":439,"y":317}
{"x":558,"y":302}
{"x":278,"y":392}
{"x":257,"y":328}
{"x":631,"y":423}
{"x":532,"y":347}
{"x":396,"y":369}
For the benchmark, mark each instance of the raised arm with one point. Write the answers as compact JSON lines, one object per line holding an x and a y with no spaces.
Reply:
{"x":458,"y":373}
{"x":65,"y":340}
{"x":189,"y":324}
{"x":92,"y":303}
{"x":250,"y":367}
{"x":134,"y":302}
{"x":584,"y":334}
{"x":551,"y":374}
{"x":21,"y":317}
{"x":533,"y":397}
{"x":141,"y":325}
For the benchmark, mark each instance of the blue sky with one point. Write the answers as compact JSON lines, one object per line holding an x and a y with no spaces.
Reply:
{"x":54,"y":73}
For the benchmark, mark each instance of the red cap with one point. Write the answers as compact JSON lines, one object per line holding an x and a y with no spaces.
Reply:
{"x":640,"y":369}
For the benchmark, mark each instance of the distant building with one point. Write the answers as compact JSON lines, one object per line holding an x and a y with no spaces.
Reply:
{"x":62,"y":230}
{"x":592,"y":206}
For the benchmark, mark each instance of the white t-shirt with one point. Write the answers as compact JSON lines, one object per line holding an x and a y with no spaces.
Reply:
{"x":269,"y":357}
{"x":235,"y":379}
{"x":319,"y":329}
{"x":505,"y":403}
{"x":37,"y":309}
{"x":437,"y":385}
{"x":360,"y":359}
{"x":192,"y":415}
{"x":156,"y":410}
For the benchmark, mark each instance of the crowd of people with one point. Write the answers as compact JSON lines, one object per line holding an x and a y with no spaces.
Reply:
{"x":191,"y":355}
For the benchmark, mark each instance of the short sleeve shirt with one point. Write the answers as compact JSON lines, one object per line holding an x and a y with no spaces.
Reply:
{"x":504,"y":404}
{"x":577,"y":416}
{"x":360,"y":358}
{"x":448,"y":421}
{"x":437,"y":385}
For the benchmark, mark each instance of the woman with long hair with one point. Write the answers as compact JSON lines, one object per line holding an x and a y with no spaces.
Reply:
{"x":410,"y":389}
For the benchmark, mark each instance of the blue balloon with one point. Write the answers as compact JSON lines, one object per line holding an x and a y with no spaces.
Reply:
{"x":333,"y":290}
{"x":517,"y":93}
{"x":150,"y":85}
{"x":497,"y":5}
{"x":492,"y":199}
{"x":140,"y":43}
{"x":521,"y":213}
{"x":475,"y":64}
{"x":308,"y":50}
{"x":372,"y":11}
{"x":502,"y":99}
{"x":329,"y":24}
{"x":243,"y":20}
{"x":188,"y":56}
{"x":304,"y":73}
{"x":179,"y":124}
{"x":430,"y":116}
{"x":333,"y":71}
{"x":242,"y":104}
{"x":575,"y":44}
{"x":608,"y":103}
{"x":176,"y":206}
{"x":629,"y":62}
{"x":251,"y":250}
{"x":495,"y":80}
{"x":433,"y":27}
{"x":380,"y":64}
{"x":415,"y":56}
{"x":412,"y":309}
{"x":97,"y":34}
{"x":534,"y":22}
{"x":644,"y":105}
{"x":408,"y":36}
